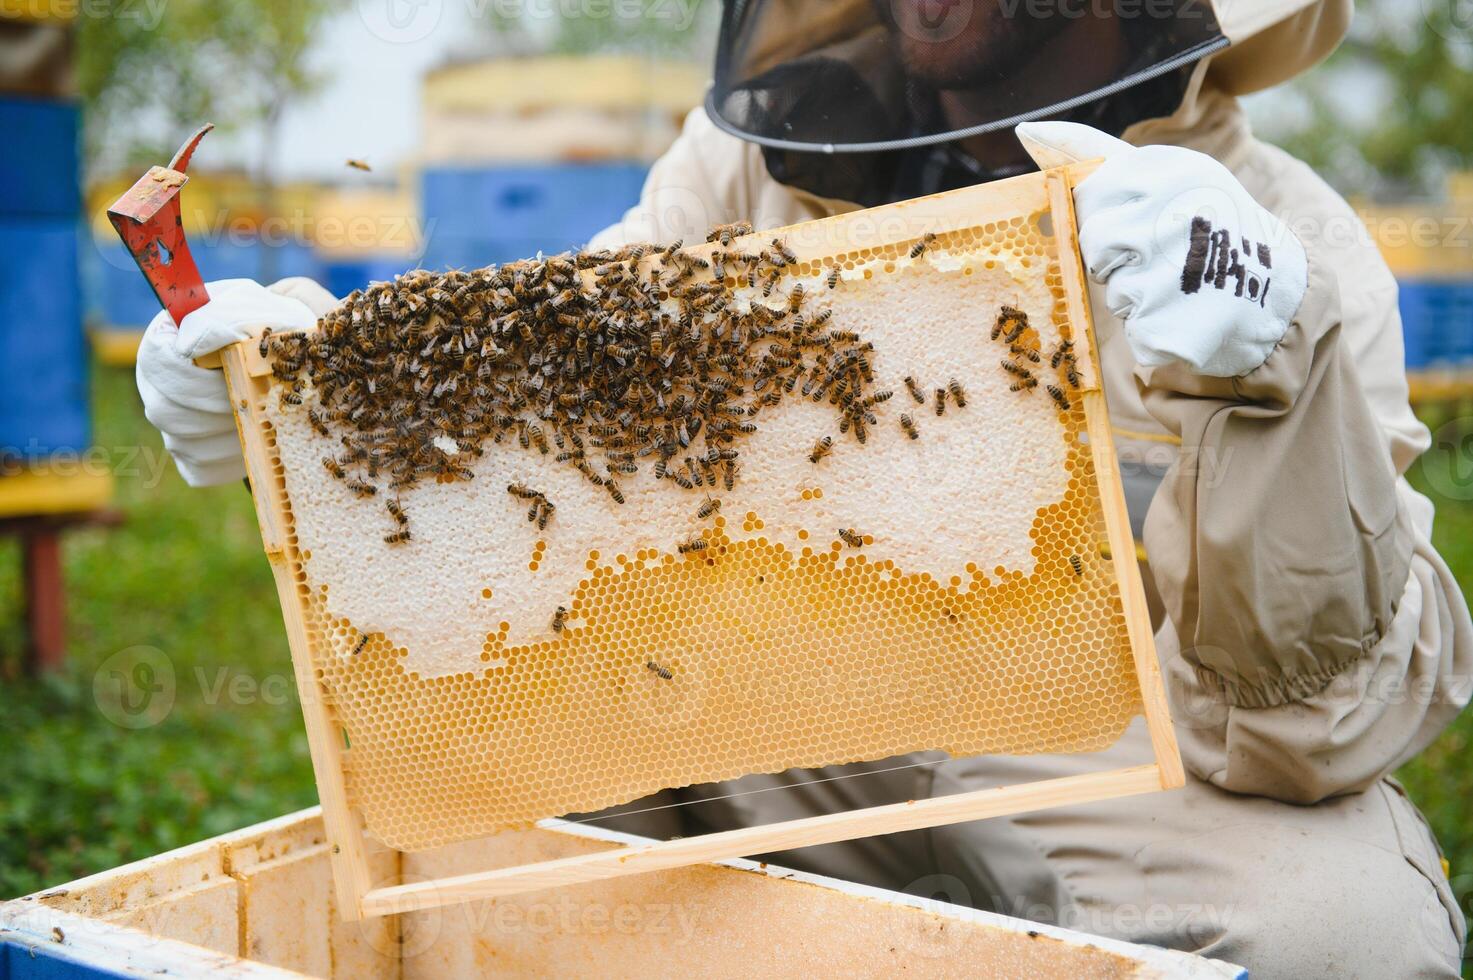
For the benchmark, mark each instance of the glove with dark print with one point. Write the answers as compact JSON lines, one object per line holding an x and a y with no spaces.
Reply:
{"x":1198,"y":271}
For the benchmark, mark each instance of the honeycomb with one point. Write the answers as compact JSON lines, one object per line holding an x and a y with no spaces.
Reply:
{"x":978,"y":617}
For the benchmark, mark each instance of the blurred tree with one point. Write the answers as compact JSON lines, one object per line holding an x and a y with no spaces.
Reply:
{"x":149,"y":74}
{"x":1389,"y":111}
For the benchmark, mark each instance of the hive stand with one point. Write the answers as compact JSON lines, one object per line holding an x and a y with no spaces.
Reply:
{"x":359,"y":895}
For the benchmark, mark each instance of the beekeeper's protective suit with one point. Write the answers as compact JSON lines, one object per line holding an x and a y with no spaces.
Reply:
{"x":1311,"y":638}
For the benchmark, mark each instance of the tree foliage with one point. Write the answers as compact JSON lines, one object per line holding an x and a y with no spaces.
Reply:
{"x":1390,"y":110}
{"x":150,"y":75}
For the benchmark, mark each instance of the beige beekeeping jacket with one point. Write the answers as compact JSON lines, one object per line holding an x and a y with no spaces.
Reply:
{"x":1313,"y":639}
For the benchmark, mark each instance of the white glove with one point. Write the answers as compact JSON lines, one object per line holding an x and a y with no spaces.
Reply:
{"x":1198,"y":271}
{"x":189,"y":404}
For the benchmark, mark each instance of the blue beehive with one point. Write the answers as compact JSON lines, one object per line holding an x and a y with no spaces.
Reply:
{"x":343,"y":275}
{"x":1437,"y":323}
{"x":43,"y":356}
{"x":39,"y":169}
{"x":476,"y":216}
{"x":125,"y":301}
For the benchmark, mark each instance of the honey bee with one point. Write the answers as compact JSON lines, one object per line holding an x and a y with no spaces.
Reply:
{"x":832,"y":279}
{"x":1071,"y":373}
{"x":851,"y":537}
{"x":1065,"y":351}
{"x":693,"y":545}
{"x":1011,"y":322}
{"x":663,"y":673}
{"x":958,"y":393}
{"x":1060,"y":399}
{"x":1023,"y":350}
{"x":1012,"y":367}
{"x":821,"y":448}
{"x":1027,"y":384}
{"x":333,"y":467}
{"x":909,"y":425}
{"x":359,"y":165}
{"x":559,"y":619}
{"x":614,"y":491}
{"x":915,"y":390}
{"x":398,"y":511}
{"x":362,"y":489}
{"x":265,"y":337}
{"x":362,"y":642}
{"x":522,"y":491}
{"x":317,"y":423}
{"x":711,"y":506}
{"x":940,"y":401}
{"x":784,"y":251}
{"x":398,"y":537}
{"x":291,"y":398}
{"x":795,"y":298}
{"x":922,"y":245}
{"x":1076,"y":564}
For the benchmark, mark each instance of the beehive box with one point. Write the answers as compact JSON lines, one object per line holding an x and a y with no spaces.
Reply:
{"x":972,"y":590}
{"x":258,"y":903}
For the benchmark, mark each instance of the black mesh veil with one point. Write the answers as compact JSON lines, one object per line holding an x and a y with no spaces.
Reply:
{"x":860,"y":76}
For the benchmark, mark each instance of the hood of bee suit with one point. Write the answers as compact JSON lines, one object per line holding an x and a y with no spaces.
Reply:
{"x":868,"y":76}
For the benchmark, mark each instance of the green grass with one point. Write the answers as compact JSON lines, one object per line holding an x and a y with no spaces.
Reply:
{"x":185,"y":575}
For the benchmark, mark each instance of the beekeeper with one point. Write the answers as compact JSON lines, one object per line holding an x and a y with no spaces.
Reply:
{"x":1311,"y":637}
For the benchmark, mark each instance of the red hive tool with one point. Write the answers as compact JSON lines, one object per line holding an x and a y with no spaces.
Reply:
{"x":147,"y":218}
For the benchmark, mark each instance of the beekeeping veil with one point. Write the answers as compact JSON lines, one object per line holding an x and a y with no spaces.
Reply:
{"x":833,"y":88}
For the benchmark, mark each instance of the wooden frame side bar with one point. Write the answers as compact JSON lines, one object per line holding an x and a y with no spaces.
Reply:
{"x":349,"y":850}
{"x":806,"y":832}
{"x":1112,"y":494}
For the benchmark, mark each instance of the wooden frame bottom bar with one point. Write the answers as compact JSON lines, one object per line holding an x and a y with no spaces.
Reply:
{"x":746,"y":841}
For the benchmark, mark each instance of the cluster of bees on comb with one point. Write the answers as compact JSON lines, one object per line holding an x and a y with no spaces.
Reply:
{"x":609,"y":360}
{"x":1011,"y":328}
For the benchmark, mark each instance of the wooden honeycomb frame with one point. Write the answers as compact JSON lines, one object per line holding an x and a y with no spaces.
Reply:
{"x":1047,"y":193}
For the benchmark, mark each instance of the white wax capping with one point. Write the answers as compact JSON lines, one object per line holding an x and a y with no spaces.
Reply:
{"x":967,"y":490}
